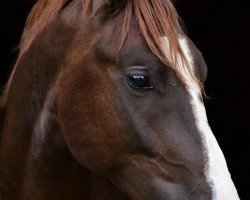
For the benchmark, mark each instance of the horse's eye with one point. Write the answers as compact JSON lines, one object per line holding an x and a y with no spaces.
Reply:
{"x":139,"y":82}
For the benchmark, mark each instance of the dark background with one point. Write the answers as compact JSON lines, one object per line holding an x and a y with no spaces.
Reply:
{"x":220,"y":29}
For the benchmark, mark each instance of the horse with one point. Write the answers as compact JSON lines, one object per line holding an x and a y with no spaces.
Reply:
{"x":105,"y":102}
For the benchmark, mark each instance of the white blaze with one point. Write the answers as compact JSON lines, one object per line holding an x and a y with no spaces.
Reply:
{"x":217,"y":173}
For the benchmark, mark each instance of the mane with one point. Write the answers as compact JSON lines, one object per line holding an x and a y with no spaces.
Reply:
{"x":156,"y":19}
{"x":43,"y":12}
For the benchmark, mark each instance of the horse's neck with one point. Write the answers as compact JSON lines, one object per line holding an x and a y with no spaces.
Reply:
{"x":34,"y":162}
{"x":24,"y":98}
{"x":51,"y":171}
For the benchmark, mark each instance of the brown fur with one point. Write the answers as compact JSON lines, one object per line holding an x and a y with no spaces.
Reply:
{"x":71,"y":112}
{"x":155,"y":18}
{"x":41,"y":15}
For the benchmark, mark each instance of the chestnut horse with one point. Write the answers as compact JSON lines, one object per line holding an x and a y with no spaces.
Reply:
{"x":105,"y":103}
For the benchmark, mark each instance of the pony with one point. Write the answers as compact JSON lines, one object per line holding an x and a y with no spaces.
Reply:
{"x":105,"y":102}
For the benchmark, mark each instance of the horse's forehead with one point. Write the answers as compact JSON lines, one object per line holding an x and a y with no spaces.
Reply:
{"x":111,"y":42}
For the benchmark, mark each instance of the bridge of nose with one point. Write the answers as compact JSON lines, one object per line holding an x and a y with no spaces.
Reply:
{"x":216,"y":174}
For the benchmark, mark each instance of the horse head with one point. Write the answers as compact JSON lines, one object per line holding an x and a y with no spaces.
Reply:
{"x":130,"y":104}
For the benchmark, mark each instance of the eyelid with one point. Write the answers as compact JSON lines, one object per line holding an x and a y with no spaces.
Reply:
{"x":139,"y":71}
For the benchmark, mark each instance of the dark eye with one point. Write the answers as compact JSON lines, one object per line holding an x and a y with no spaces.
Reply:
{"x":138,"y":81}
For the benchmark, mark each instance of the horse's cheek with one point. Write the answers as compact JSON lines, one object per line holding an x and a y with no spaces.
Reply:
{"x":91,"y":129}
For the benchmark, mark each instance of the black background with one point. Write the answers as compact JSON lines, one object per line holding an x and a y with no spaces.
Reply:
{"x":220,"y":29}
